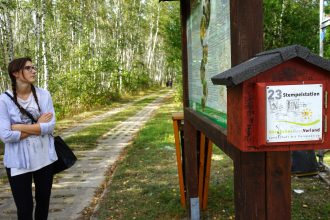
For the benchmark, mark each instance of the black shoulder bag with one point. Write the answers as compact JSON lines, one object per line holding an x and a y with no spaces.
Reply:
{"x":66,"y":157}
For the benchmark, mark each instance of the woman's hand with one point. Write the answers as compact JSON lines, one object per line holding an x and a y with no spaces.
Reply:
{"x":44,"y":118}
{"x":16,"y":127}
{"x":24,"y":135}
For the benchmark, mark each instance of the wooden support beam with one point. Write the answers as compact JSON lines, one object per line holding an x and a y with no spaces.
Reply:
{"x":249,"y":186}
{"x":215,"y":133}
{"x":191,"y":169}
{"x":201,"y":172}
{"x":261,"y":180}
{"x":185,"y":10}
{"x":177,"y":118}
{"x":278,"y":185}
{"x":209,"y":146}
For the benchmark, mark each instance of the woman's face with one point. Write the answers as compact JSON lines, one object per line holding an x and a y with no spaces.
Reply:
{"x":27,"y":74}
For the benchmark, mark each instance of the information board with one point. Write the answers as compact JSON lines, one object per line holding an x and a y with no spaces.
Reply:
{"x":294,"y":113}
{"x":209,"y":53}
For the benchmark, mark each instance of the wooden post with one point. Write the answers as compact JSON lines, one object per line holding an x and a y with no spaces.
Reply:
{"x":278,"y":185}
{"x":249,"y":186}
{"x":201,"y":169}
{"x":184,"y":11}
{"x":249,"y":168}
{"x":177,"y":118}
{"x":258,"y":177}
{"x":191,"y":170}
{"x":190,"y":132}
{"x":209,"y":146}
{"x":205,"y":156}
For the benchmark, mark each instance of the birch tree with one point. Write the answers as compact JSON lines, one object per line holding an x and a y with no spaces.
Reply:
{"x":88,"y":52}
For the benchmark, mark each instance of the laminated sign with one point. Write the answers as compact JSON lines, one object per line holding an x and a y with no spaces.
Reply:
{"x":209,"y":53}
{"x":294,"y":113}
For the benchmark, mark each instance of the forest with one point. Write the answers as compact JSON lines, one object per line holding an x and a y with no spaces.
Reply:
{"x":90,"y":52}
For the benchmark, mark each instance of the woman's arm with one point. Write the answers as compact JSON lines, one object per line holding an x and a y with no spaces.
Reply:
{"x":6,"y":134}
{"x":27,"y":128}
{"x":33,"y":129}
{"x":47,"y":106}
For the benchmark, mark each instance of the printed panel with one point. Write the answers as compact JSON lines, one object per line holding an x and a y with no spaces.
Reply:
{"x":294,"y":113}
{"x":208,"y":42}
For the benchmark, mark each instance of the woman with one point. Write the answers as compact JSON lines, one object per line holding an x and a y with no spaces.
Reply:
{"x":29,"y":145}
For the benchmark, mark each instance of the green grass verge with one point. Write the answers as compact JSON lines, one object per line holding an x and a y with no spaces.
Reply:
{"x":145,"y":182}
{"x":86,"y":139}
{"x":327,"y":158}
{"x":70,"y":120}
{"x":314,"y":203}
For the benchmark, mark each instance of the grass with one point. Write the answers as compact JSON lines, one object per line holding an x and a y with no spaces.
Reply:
{"x":145,"y":183}
{"x":313,"y":203}
{"x":86,"y":139}
{"x":327,"y":158}
{"x":71,"y":120}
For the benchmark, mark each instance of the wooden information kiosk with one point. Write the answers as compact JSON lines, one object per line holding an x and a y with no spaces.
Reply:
{"x":243,"y":111}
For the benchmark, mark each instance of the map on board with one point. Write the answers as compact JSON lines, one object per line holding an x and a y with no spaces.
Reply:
{"x":209,"y":53}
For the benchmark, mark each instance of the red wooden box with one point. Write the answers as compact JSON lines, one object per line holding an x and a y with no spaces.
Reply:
{"x":278,"y":101}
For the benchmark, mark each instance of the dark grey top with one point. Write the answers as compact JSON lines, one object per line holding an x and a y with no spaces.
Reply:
{"x":266,"y":60}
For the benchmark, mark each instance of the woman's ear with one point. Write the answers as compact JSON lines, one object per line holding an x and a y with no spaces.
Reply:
{"x":15,"y":74}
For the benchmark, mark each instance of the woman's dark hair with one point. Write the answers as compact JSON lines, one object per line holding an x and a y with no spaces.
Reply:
{"x":17,"y":65}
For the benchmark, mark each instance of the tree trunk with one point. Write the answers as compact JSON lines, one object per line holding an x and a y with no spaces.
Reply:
{"x":10,"y":36}
{"x":38,"y":38}
{"x":155,"y":37}
{"x":43,"y":43}
{"x":3,"y":41}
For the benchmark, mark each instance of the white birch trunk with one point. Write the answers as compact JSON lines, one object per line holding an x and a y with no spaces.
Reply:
{"x":3,"y":41}
{"x":16,"y":24}
{"x":155,"y":38}
{"x":280,"y":28}
{"x":43,"y":43}
{"x":149,"y":44}
{"x":38,"y":38}
{"x":10,"y":38}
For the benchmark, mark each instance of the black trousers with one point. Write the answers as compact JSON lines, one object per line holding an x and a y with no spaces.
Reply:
{"x":21,"y":187}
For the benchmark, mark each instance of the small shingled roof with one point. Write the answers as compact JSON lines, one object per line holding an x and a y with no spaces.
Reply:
{"x":266,"y":60}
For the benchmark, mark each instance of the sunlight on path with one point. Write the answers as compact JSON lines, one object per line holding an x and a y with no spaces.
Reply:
{"x":81,"y":125}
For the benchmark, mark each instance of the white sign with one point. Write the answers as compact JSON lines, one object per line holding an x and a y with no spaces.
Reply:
{"x":294,"y":113}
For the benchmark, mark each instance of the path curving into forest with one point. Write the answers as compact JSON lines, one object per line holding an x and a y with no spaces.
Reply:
{"x":74,"y":191}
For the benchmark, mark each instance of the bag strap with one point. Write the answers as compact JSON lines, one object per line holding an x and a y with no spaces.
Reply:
{"x":21,"y":108}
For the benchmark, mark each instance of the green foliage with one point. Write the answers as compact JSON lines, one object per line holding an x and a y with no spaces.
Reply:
{"x":90,"y":52}
{"x":171,"y":30}
{"x":286,"y":23}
